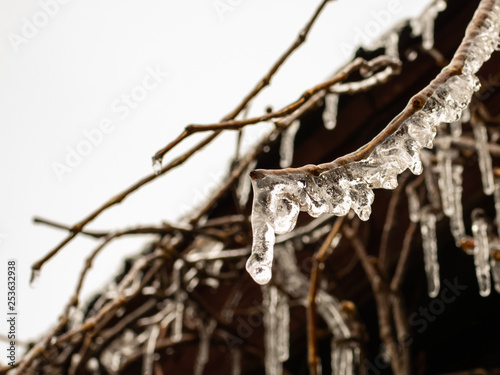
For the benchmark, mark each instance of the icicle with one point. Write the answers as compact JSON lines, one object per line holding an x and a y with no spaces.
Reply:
{"x":481,"y":251}
{"x":497,"y":204}
{"x":330,"y":111}
{"x":485,"y":164}
{"x":391,"y":44}
{"x":495,"y":266}
{"x":283,"y":330}
{"x":204,"y":346}
{"x":279,"y":197}
{"x":270,"y":302}
{"x":429,"y":243}
{"x":413,"y":205}
{"x":236,"y":367}
{"x":445,"y":158}
{"x":431,"y":186}
{"x":456,"y":219}
{"x":35,"y":278}
{"x":495,"y":256}
{"x":424,"y":25}
{"x":287,"y":144}
{"x":296,"y":285}
{"x":245,"y":184}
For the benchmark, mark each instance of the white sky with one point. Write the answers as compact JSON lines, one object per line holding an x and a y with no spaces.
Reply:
{"x":70,"y":73}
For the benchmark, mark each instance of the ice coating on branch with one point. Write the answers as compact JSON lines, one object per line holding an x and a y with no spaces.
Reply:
{"x":287,"y":140}
{"x":481,"y":252}
{"x":484,"y":158}
{"x":429,"y":244}
{"x":278,"y":198}
{"x":330,"y":111}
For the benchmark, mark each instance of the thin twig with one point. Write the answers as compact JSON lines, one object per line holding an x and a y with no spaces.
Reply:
{"x":389,"y":225}
{"x":265,"y":81}
{"x":397,"y":279}
{"x":36,"y":267}
{"x":355,"y":65}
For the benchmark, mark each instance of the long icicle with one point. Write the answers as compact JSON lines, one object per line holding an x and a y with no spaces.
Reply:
{"x":429,"y":244}
{"x":495,"y":256}
{"x":287,"y":144}
{"x":270,"y":303}
{"x":484,"y":157}
{"x":283,"y":330}
{"x":330,"y":111}
{"x":481,"y":251}
{"x":456,"y":219}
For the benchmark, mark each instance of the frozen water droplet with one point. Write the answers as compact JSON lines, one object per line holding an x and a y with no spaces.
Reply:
{"x":261,"y":274}
{"x":157,"y":166}
{"x":35,"y":278}
{"x":365,"y":213}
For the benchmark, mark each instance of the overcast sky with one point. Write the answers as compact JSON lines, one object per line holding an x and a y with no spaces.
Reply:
{"x":89,"y":90}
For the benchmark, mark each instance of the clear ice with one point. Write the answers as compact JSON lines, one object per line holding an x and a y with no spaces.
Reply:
{"x":494,"y":261}
{"x":484,"y":158}
{"x":457,"y":225}
{"x":330,"y":111}
{"x":424,"y":25}
{"x":345,"y":358}
{"x":279,"y":198}
{"x":429,"y":244}
{"x":481,"y":252}
{"x":270,"y":302}
{"x":413,"y":205}
{"x":287,"y":143}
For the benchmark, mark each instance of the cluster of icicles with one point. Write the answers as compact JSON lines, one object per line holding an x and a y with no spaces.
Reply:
{"x":450,"y":187}
{"x":279,"y":198}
